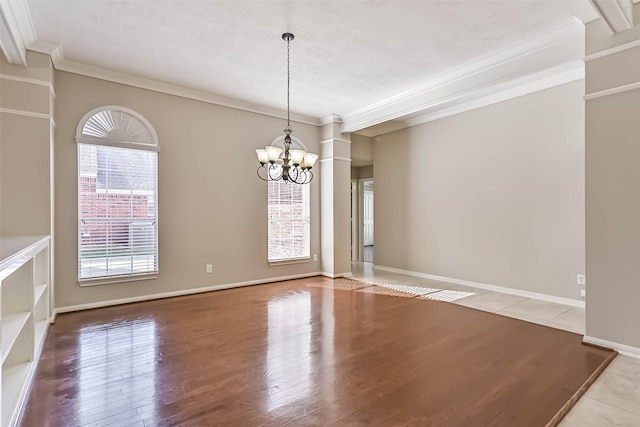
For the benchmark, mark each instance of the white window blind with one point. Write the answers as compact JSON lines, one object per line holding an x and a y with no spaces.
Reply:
{"x":117,"y":194}
{"x":288,"y":208}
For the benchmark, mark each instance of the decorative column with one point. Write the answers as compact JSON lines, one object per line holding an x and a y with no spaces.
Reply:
{"x":335,"y":199}
{"x":612,"y":104}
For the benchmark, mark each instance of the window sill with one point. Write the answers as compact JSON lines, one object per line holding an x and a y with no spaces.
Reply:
{"x":116,"y":279}
{"x":289,"y":261}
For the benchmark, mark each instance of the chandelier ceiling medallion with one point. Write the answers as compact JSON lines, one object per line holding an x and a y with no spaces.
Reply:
{"x":291,"y":166}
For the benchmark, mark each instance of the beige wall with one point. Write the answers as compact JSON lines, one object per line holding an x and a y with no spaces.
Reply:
{"x":362,"y":172}
{"x":212,"y":207}
{"x":25,"y":146}
{"x":361,"y":150}
{"x":494,"y":195}
{"x":613,"y":188}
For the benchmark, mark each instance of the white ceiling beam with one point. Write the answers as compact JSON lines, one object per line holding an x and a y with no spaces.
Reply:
{"x":557,"y":51}
{"x":617,"y":14}
{"x":16,"y":30}
{"x":483,"y":97}
{"x":586,"y":15}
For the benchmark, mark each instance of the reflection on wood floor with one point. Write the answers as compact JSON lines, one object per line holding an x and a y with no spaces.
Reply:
{"x":304,"y":352}
{"x":368,"y":253}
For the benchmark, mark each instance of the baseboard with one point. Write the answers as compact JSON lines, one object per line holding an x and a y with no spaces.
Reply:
{"x":336,"y":275}
{"x":623,"y":349}
{"x":526,"y":294}
{"x":140,"y":298}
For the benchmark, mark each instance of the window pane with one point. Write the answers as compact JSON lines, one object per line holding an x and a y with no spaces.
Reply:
{"x":288,"y":210}
{"x":118,"y":232}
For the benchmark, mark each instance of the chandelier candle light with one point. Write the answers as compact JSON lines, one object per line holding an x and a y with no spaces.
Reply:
{"x":291,"y":166}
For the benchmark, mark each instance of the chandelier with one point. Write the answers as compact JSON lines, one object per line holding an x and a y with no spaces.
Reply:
{"x":291,"y":166}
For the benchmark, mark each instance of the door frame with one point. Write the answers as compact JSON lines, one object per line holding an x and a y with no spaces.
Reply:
{"x":355,"y":221}
{"x":363,"y":211}
{"x":357,"y":218}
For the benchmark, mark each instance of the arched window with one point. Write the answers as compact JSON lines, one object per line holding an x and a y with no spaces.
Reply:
{"x":117,"y":196}
{"x":288,"y":210}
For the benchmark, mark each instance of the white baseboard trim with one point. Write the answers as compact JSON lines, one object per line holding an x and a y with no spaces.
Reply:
{"x":336,"y":275}
{"x":623,"y":349}
{"x":519,"y":292}
{"x":140,"y":298}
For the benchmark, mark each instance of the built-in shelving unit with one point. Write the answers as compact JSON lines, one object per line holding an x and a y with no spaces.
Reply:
{"x":25,"y":314}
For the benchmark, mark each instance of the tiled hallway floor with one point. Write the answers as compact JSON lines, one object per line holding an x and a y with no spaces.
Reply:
{"x":613,"y":400}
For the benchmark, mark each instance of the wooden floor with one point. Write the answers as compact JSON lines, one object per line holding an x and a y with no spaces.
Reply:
{"x":304,"y":352}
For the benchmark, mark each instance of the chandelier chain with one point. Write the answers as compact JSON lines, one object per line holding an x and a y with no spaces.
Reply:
{"x":288,"y":86}
{"x":286,"y":165}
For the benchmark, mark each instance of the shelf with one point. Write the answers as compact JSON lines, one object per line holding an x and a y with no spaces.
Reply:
{"x":11,"y":327}
{"x":38,"y":291}
{"x":13,"y":384}
{"x":40,"y":329}
{"x":15,"y":249}
{"x":25,"y":290}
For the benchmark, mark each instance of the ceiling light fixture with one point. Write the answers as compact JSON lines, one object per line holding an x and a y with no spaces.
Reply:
{"x":292,"y":166}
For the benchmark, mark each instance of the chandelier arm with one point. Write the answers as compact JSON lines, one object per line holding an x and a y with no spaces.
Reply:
{"x":309,"y":176}
{"x":298,"y":175}
{"x":258,"y":172}
{"x":293,"y":176}
{"x":277,"y":177}
{"x":304,"y":176}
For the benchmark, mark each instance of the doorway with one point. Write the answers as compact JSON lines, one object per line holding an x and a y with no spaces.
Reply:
{"x":367,"y":220}
{"x":362,"y":220}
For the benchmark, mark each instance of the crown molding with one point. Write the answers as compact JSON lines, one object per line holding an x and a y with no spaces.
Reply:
{"x":493,"y":79}
{"x":617,"y":14}
{"x":17,"y":30}
{"x":62,"y":64}
{"x":171,"y":89}
{"x":586,"y":15}
{"x":486,"y":96}
{"x":552,"y":50}
{"x":332,"y":118}
{"x":51,"y":49}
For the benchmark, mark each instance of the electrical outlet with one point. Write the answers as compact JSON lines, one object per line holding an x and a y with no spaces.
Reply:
{"x":582,"y":279}
{"x":209,"y":268}
{"x":315,"y":257}
{"x":583,"y":293}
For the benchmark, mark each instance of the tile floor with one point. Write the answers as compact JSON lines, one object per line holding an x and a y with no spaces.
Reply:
{"x":614,"y":398}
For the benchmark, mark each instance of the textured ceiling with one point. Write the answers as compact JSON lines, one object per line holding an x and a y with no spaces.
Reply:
{"x":347,"y":54}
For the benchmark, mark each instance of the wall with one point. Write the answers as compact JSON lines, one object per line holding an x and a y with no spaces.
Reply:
{"x":26,"y":131}
{"x":494,"y":195}
{"x":361,"y":150}
{"x":362,"y":172}
{"x":613,"y":187}
{"x":212,"y":206}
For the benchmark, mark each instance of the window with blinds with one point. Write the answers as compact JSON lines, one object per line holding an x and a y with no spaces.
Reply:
{"x":117,"y":196}
{"x":288,"y":207}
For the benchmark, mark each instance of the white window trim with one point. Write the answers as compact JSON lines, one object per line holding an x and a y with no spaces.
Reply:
{"x":151,"y":146}
{"x":100,"y":141}
{"x":118,"y":279}
{"x":286,"y":261}
{"x":113,"y":143}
